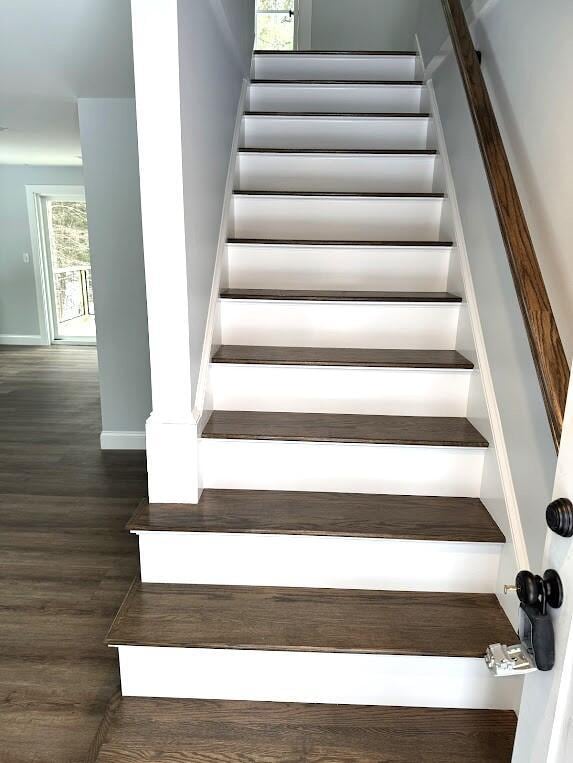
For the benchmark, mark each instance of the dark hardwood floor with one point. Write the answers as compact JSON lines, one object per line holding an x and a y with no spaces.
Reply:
{"x":65,"y":560}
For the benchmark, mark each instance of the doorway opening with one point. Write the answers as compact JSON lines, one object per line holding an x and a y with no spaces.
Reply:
{"x":65,"y":271}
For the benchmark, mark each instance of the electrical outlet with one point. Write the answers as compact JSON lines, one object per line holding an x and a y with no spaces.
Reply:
{"x":26,"y":257}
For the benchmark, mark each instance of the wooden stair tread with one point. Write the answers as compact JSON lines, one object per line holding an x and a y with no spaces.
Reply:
{"x":284,"y":512}
{"x":344,"y":151}
{"x":337,"y":242}
{"x":331,"y":295}
{"x":366,"y":114}
{"x":343,"y":194}
{"x":310,"y":620}
{"x":330,"y":427}
{"x":335,"y":53}
{"x":393,"y":82}
{"x":340,"y":356}
{"x":166,"y":730}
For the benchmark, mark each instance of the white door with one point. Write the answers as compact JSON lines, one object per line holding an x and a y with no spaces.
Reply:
{"x":545,"y":727}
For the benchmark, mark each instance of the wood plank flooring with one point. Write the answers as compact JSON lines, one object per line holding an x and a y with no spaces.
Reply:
{"x":65,"y":561}
{"x":340,"y":356}
{"x":310,"y":619}
{"x":205,"y":731}
{"x":327,"y":514}
{"x":326,"y":427}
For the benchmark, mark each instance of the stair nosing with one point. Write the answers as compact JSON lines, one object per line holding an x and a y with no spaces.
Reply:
{"x":294,"y":295}
{"x":336,"y":82}
{"x":463,"y":363}
{"x":340,"y":243}
{"x":312,"y":429}
{"x":342,"y":114}
{"x":393,"y":152}
{"x":390,"y":53}
{"x":342,"y":194}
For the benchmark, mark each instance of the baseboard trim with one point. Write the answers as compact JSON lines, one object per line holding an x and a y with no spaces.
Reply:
{"x":21,"y":339}
{"x":122,"y":440}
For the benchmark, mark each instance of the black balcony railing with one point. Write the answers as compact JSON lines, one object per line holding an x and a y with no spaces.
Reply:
{"x":73,"y":292}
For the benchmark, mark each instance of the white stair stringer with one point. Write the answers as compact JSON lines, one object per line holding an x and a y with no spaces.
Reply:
{"x":321,"y":677}
{"x":321,"y":562}
{"x":341,"y":467}
{"x":349,"y":66}
{"x":339,"y":132}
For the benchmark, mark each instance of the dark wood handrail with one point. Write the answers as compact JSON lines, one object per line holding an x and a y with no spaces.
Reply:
{"x":546,"y":346}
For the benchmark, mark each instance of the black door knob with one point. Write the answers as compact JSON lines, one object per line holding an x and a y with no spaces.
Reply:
{"x":559,"y":516}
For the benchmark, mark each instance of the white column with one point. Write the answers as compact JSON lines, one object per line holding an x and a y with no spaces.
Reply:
{"x":171,"y":428}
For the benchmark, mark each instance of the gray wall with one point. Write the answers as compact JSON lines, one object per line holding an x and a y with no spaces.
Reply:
{"x":526,"y":59}
{"x":111,"y":168}
{"x":526,"y":431}
{"x":364,"y":24}
{"x":18,"y":306}
{"x":215,"y":46}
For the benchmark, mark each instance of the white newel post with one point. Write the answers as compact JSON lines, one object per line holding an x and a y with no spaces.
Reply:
{"x":171,"y":428}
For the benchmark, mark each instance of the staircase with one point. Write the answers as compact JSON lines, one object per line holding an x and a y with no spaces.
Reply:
{"x":331,"y":596}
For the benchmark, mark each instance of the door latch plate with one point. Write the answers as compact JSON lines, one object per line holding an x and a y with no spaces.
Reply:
{"x":503,"y":660}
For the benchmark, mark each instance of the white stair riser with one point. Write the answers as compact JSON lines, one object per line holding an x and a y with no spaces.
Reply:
{"x":342,"y":324}
{"x":335,"y":67}
{"x":347,"y":219}
{"x":360,"y":679}
{"x":321,"y":562}
{"x":323,"y":267}
{"x":335,"y":172}
{"x":312,"y":389}
{"x":340,"y":467}
{"x":375,"y":99}
{"x":334,"y":132}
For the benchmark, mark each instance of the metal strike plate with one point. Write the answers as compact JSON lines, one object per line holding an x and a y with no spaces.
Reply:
{"x":503,"y":660}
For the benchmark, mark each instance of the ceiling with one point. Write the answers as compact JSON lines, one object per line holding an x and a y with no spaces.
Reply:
{"x":51,"y":53}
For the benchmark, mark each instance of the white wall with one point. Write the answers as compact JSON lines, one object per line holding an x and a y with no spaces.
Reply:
{"x":109,"y":146}
{"x":18,"y":307}
{"x":215,"y":47}
{"x":364,"y":24}
{"x":528,"y":65}
{"x":526,"y":49}
{"x":530,"y":448}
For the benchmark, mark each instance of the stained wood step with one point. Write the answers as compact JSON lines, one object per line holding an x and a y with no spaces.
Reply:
{"x":349,"y":244}
{"x":344,"y":152}
{"x":325,"y":427}
{"x":329,"y":295}
{"x":283,"y":512}
{"x":343,"y":194}
{"x":166,"y":730}
{"x":310,"y":620}
{"x":399,"y":83}
{"x":335,"y":53}
{"x":335,"y":356}
{"x":357,"y":114}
